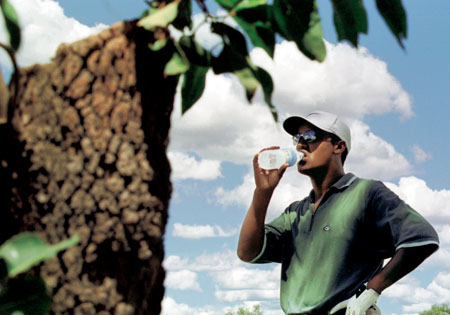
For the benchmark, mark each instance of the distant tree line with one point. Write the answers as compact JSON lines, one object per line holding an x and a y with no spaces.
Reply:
{"x":245,"y":311}
{"x":437,"y":310}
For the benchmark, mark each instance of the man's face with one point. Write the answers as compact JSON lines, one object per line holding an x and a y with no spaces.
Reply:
{"x":318,"y":154}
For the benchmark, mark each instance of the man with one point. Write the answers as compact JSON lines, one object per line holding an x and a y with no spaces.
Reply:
{"x":332,"y":244}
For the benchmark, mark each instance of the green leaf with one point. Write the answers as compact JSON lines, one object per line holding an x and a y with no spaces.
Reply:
{"x":231,"y":37}
{"x":234,"y":53}
{"x":153,"y":7}
{"x":249,"y":82}
{"x":193,"y":86}
{"x":234,"y":58}
{"x":228,"y":4}
{"x":266,"y":82}
{"x":194,"y":52}
{"x":248,"y":4}
{"x":395,"y":17}
{"x":27,"y":249}
{"x":183,"y":18}
{"x":176,"y":65}
{"x":159,"y":44}
{"x":160,"y":17}
{"x":312,"y":42}
{"x":292,"y":17}
{"x":25,"y":296}
{"x":12,"y":24}
{"x":258,"y":14}
{"x":299,"y":21}
{"x":256,"y":22}
{"x":350,"y":19}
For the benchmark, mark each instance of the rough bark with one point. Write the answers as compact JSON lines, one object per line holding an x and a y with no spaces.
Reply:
{"x":86,"y":155}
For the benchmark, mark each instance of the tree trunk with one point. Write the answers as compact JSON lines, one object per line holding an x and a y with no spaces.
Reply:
{"x":86,"y":155}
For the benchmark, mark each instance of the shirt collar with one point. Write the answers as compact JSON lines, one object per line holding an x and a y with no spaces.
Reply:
{"x":341,"y":184}
{"x":345,"y":181}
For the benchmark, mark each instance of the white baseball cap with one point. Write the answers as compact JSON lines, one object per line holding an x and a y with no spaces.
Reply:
{"x":322,"y":120}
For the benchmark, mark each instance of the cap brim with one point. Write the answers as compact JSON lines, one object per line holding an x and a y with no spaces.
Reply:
{"x":292,"y":124}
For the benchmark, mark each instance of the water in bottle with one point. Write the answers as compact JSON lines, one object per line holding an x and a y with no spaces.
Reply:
{"x":273,"y":159}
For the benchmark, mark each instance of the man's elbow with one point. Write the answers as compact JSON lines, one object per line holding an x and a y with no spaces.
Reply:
{"x":245,"y":255}
{"x":430,"y":249}
{"x":418,"y":254}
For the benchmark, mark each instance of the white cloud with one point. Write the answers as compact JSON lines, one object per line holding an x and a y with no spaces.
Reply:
{"x":292,"y":187}
{"x":417,"y":308}
{"x":173,"y":262}
{"x":171,"y":307}
{"x":206,"y":262}
{"x":185,"y":166}
{"x":246,"y":278}
{"x":44,"y":26}
{"x":416,"y":298}
{"x":234,"y":280}
{"x":200,"y":231}
{"x":349,"y":82}
{"x":182,"y":280}
{"x":204,"y":36}
{"x":439,"y":259}
{"x":222,"y":126}
{"x":420,"y":155}
{"x":242,"y":295}
{"x":373,"y":157}
{"x":432,"y":204}
{"x":444,"y":234}
{"x":240,"y":195}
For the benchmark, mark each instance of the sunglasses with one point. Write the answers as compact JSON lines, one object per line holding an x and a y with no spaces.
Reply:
{"x":309,"y":137}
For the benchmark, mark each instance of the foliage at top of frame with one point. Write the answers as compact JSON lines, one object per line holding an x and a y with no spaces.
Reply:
{"x":259,"y":22}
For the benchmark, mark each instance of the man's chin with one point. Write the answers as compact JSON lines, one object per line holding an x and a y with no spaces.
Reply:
{"x":302,"y":169}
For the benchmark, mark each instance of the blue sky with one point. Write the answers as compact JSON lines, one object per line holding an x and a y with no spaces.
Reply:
{"x":396,"y":102}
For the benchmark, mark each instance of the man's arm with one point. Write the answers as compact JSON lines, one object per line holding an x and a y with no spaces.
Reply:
{"x":404,"y":261}
{"x":251,"y":237}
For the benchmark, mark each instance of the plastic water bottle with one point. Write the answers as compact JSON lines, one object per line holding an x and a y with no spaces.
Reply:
{"x":273,"y":159}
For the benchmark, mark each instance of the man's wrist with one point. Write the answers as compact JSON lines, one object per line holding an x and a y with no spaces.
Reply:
{"x":263,"y":193}
{"x":377,"y":284}
{"x":377,"y":290}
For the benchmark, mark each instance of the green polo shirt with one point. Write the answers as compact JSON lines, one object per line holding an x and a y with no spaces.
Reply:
{"x":328,"y":254}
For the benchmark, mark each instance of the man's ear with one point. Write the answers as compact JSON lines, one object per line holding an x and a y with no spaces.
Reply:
{"x":340,"y":146}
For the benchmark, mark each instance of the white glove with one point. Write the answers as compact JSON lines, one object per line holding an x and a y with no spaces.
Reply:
{"x":363,"y":305}
{"x":359,"y":305}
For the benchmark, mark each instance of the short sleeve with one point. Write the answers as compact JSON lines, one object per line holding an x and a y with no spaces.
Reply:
{"x":275,"y":237}
{"x":396,"y":224}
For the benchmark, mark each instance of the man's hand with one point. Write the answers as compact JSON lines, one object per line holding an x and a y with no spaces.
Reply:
{"x":267,"y":180}
{"x":362,"y":305}
{"x":359,"y":305}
